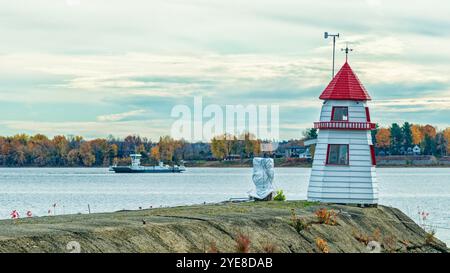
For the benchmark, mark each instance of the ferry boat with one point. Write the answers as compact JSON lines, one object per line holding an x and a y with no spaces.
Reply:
{"x":136,"y":167}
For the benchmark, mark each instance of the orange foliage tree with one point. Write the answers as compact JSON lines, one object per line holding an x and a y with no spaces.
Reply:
{"x":429,"y":130}
{"x":417,"y":135}
{"x":446,"y":134}
{"x":383,"y":138}
{"x":154,"y":153}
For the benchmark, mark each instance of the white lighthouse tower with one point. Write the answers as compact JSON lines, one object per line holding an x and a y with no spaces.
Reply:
{"x":343,"y":169}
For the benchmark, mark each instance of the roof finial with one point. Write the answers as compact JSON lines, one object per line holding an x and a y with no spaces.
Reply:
{"x":347,"y":50}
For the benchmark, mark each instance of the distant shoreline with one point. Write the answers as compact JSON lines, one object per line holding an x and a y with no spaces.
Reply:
{"x":224,"y":166}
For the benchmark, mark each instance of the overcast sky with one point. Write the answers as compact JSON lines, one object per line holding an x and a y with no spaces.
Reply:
{"x":96,"y":68}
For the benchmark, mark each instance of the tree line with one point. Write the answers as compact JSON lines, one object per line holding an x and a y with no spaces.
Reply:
{"x":245,"y":146}
{"x":74,"y":151}
{"x":400,"y":139}
{"x":38,"y":150}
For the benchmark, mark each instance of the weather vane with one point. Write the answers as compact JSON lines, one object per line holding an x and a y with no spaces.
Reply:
{"x":346,"y":50}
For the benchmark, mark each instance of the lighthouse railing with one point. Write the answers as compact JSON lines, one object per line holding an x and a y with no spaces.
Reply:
{"x":344,"y":125}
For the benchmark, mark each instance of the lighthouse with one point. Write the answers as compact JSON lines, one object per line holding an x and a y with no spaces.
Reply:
{"x":343,"y":169}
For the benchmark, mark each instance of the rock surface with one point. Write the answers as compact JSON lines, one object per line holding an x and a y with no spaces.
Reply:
{"x":270,"y":226}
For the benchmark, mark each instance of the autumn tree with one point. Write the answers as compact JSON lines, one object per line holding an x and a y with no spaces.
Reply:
{"x":429,"y":142}
{"x":113,"y":152}
{"x":131,"y":144}
{"x":446,"y":134}
{"x":41,"y":150}
{"x":3,"y":150}
{"x":73,"y":158}
{"x":154,"y":153}
{"x":257,"y":147}
{"x":62,"y":149}
{"x":100,"y":150}
{"x":218,"y":149}
{"x":251,"y":145}
{"x":86,"y":155}
{"x":429,"y":130}
{"x":383,"y":138}
{"x":167,"y":146}
{"x":231,"y":144}
{"x":416,"y":132}
{"x":74,"y":141}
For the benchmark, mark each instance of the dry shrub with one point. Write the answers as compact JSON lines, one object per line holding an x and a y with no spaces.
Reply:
{"x":389,"y":243}
{"x":322,"y":245}
{"x":376,"y":235}
{"x":325,"y":216}
{"x":242,"y":243}
{"x":364,"y":238}
{"x":298,"y":223}
{"x":269,"y":248}
{"x":406,"y":243}
{"x":212,"y":248}
{"x":429,"y":237}
{"x":360,"y":237}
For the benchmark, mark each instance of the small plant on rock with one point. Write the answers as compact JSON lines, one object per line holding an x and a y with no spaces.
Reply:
{"x":298,"y":223}
{"x":360,"y":237}
{"x":364,"y":238}
{"x":242,"y":243}
{"x":430,"y":231}
{"x":322,"y":245}
{"x":280,"y":196}
{"x":212,"y":248}
{"x":429,"y":238}
{"x":327,"y":217}
{"x":376,"y":235}
{"x":389,"y":243}
{"x":269,"y":248}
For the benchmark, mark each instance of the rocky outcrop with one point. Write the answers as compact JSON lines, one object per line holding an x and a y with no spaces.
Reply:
{"x":294,"y":226}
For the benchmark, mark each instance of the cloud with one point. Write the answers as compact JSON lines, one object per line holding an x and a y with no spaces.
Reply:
{"x":413,"y":104}
{"x":89,"y":62}
{"x":121,"y":116}
{"x":96,"y":129}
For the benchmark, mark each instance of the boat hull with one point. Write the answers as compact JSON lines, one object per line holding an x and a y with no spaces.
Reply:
{"x":126,"y":169}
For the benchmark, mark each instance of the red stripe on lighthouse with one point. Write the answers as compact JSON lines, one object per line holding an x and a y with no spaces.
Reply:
{"x":328,"y":153}
{"x":367,"y":114}
{"x":372,"y":154}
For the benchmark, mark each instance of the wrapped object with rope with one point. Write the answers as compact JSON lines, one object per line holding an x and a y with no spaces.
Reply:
{"x":263,"y":173}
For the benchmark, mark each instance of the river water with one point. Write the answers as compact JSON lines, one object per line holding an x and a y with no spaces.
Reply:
{"x":76,"y":190}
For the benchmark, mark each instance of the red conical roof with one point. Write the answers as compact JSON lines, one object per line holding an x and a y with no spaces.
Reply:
{"x":345,"y":86}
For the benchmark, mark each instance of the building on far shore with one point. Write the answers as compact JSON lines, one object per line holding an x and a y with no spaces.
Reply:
{"x":294,"y":151}
{"x":416,"y":150}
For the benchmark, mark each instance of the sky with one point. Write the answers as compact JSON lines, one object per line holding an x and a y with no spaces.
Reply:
{"x":107,"y":67}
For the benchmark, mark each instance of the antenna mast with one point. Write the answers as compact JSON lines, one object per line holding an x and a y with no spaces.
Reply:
{"x":326,"y":35}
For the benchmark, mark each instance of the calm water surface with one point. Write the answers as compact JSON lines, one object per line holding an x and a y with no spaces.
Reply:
{"x":72,"y":189}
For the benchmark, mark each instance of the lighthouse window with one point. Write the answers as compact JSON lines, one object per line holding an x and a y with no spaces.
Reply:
{"x":337,"y":154}
{"x":339,"y":114}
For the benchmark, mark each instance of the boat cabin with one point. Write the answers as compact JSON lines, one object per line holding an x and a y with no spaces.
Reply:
{"x":135,"y":160}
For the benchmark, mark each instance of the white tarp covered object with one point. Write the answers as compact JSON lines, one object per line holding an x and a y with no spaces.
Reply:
{"x":263,"y":173}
